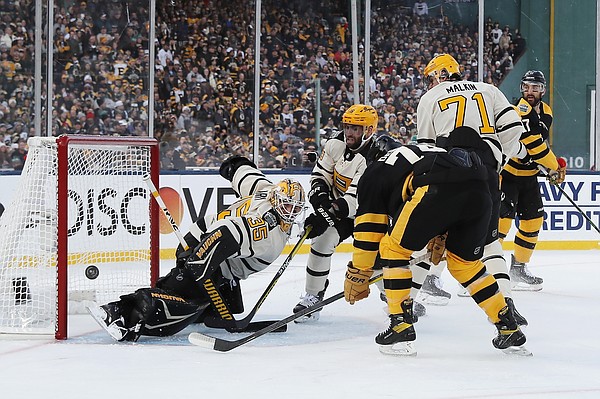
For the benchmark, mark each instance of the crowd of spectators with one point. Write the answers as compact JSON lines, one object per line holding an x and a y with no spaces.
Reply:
{"x":204,"y":77}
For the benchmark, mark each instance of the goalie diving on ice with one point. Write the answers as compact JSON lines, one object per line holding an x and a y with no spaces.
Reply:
{"x":221,"y":250}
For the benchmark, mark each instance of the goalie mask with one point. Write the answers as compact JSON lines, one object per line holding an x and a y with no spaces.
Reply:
{"x":442,"y":67}
{"x":287,"y":199}
{"x":357,"y":116}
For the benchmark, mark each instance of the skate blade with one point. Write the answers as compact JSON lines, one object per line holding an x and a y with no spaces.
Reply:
{"x":309,"y":318}
{"x":526,"y":287}
{"x":399,"y":349}
{"x":99,"y":315}
{"x":428,"y":299}
{"x":517,"y":351}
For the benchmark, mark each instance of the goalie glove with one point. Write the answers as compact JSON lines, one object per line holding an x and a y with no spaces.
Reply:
{"x":356,"y":285}
{"x":436,"y":248}
{"x":555,"y":177}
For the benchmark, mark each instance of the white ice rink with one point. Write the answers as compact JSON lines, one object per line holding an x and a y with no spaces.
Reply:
{"x":337,"y":357}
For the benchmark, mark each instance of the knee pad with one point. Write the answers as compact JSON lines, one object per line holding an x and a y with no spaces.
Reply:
{"x":160,"y":313}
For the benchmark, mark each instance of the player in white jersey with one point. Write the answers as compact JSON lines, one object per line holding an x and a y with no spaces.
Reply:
{"x":333,"y":196}
{"x":224,"y":249}
{"x":474,"y":115}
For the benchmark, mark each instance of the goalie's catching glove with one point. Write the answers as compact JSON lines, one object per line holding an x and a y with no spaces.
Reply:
{"x":555,"y":177}
{"x":436,"y":248}
{"x":356,"y":285}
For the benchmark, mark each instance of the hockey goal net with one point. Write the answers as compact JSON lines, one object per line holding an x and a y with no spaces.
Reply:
{"x":81,"y":226}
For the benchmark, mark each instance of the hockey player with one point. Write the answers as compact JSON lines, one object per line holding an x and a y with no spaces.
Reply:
{"x":333,"y":196}
{"x":476,"y":117}
{"x":519,"y":183}
{"x":224,"y":249}
{"x":479,"y":117}
{"x":427,"y":192}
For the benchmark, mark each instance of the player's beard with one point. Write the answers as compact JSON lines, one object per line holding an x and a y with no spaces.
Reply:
{"x":532,"y":99}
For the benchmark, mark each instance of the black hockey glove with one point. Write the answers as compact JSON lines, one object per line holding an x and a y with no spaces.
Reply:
{"x":507,"y":207}
{"x":231,"y":164}
{"x":182,"y":257}
{"x":320,"y":221}
{"x":319,"y":195}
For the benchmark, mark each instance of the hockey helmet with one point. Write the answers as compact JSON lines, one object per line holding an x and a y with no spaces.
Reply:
{"x":533,"y":78}
{"x":381,"y":146}
{"x":442,"y":66}
{"x":287,"y":199}
{"x":362,"y":115}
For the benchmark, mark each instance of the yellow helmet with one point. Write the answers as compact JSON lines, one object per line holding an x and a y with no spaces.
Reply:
{"x":362,"y":115}
{"x":287,"y":199}
{"x":442,"y":66}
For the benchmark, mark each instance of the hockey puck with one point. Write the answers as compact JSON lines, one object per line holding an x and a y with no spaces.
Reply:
{"x":92,"y":272}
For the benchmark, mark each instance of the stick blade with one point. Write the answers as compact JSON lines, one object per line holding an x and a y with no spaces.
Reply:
{"x":202,"y":340}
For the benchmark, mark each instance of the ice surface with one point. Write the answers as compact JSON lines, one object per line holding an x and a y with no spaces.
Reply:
{"x":337,"y":357}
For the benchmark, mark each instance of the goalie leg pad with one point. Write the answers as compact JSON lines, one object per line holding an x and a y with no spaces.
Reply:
{"x":180,"y":281}
{"x":156,"y":312}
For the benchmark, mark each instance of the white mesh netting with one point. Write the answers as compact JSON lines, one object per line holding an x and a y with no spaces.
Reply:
{"x":108,"y":232}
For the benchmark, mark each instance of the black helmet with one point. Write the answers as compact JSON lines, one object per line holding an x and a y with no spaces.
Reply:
{"x":534,"y":77}
{"x":381,"y":146}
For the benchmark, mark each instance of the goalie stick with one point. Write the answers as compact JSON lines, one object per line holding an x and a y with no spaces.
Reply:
{"x":223,"y":345}
{"x":242,"y":324}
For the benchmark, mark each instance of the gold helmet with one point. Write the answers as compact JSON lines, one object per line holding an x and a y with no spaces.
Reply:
{"x":442,"y":66}
{"x":287,"y":199}
{"x":362,"y":115}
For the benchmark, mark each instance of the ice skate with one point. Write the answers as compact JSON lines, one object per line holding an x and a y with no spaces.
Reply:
{"x":398,"y":339}
{"x":419,"y":310}
{"x":521,"y":321}
{"x":510,"y":338}
{"x":110,"y":319}
{"x":432,"y":293}
{"x":308,"y":300}
{"x":522,"y":279}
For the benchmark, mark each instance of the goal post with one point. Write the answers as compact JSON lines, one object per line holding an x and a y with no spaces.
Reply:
{"x":82,"y":226}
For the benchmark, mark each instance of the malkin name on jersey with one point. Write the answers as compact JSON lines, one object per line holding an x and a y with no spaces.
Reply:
{"x":460,"y":87}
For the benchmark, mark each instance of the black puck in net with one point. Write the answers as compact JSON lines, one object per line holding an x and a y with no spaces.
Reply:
{"x":92,"y":272}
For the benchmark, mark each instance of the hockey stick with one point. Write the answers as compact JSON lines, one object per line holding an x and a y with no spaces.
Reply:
{"x":165,"y":211}
{"x":242,"y":324}
{"x":546,"y":174}
{"x":223,"y":345}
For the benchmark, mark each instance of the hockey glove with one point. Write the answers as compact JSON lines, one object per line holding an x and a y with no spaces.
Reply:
{"x":231,"y":164}
{"x":507,"y":207}
{"x":182,"y":257}
{"x":320,"y":221}
{"x":356,"y":285}
{"x":436,"y":248}
{"x":555,"y":177}
{"x":319,"y":195}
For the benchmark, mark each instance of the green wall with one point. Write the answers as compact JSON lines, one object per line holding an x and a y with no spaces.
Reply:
{"x":573,"y":61}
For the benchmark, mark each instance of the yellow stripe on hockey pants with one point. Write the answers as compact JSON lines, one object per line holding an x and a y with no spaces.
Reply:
{"x":481,"y":285}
